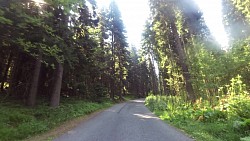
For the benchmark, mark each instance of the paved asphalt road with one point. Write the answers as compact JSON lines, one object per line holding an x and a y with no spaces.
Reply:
{"x":130,"y":121}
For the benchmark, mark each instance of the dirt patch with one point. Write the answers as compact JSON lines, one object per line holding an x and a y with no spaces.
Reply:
{"x":63,"y":128}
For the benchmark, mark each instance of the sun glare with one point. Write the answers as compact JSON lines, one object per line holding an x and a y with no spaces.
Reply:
{"x":212,"y":10}
{"x":134,"y":14}
{"x":103,"y":3}
{"x":39,"y":2}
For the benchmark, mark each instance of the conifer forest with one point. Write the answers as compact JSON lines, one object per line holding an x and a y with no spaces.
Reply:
{"x":57,"y":54}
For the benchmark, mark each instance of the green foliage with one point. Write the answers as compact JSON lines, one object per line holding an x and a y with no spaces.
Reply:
{"x":206,"y":69}
{"x":240,"y":107}
{"x":235,"y":21}
{"x":156,"y":103}
{"x":211,"y":115}
{"x":220,"y":78}
{"x":243,"y":6}
{"x":242,"y":126}
{"x":228,"y":114}
{"x":202,"y":123}
{"x":23,"y":122}
{"x":245,"y":138}
{"x":69,"y":32}
{"x":215,"y":131}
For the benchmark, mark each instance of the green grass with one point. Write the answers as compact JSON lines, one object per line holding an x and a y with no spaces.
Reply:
{"x":214,"y":131}
{"x":18,"y":122}
{"x":203,"y":125}
{"x":129,"y":97}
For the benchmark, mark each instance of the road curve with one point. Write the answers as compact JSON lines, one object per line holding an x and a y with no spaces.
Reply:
{"x":130,"y":121}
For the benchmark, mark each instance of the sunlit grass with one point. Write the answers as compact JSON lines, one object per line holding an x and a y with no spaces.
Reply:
{"x":201,"y":121}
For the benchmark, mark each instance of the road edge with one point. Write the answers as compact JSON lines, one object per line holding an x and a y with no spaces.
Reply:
{"x":68,"y":125}
{"x":64,"y":127}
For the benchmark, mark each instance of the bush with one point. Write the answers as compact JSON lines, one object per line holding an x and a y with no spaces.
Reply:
{"x":217,"y":122}
{"x":240,"y":107}
{"x":210,"y":115}
{"x":245,"y":138}
{"x":242,"y":126}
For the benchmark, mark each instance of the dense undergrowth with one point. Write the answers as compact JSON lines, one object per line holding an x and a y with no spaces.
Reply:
{"x":225,"y":116}
{"x":18,"y":122}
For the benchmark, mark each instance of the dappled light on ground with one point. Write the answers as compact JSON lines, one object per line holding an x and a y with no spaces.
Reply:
{"x":139,"y":100}
{"x":146,"y":116}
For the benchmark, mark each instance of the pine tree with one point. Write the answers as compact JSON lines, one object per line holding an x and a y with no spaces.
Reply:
{"x":119,"y":51}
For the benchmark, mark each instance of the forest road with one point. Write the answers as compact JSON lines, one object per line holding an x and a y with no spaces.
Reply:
{"x":130,"y":121}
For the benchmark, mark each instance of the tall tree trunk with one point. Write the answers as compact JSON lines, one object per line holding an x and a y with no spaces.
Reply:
{"x":56,"y":90}
{"x":112,"y":88}
{"x":121,"y":79}
{"x":5,"y":75}
{"x":112,"y":75}
{"x":182,"y":62}
{"x":35,"y":82}
{"x":160,"y":81}
{"x":17,"y":62}
{"x":153,"y":78}
{"x":166,"y":85}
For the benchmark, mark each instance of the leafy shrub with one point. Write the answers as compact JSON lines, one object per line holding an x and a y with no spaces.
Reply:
{"x":214,"y":115}
{"x":245,"y":138}
{"x":242,"y":126}
{"x":156,"y":103}
{"x":237,"y":99}
{"x":240,"y":107}
{"x":217,"y":121}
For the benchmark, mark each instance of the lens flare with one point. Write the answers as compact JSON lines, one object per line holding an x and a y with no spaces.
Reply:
{"x":212,"y":10}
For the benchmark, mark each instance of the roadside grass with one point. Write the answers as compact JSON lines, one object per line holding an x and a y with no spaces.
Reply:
{"x":129,"y":97}
{"x":201,"y":121}
{"x":18,"y":122}
{"x":211,"y":131}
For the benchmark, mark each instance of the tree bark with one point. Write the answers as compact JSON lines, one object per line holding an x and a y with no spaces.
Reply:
{"x":121,"y":79}
{"x":160,"y":81}
{"x":112,"y":75}
{"x":56,"y":90}
{"x":5,"y":75}
{"x":35,"y":81}
{"x":153,"y":77}
{"x":182,"y":62}
{"x":17,"y":62}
